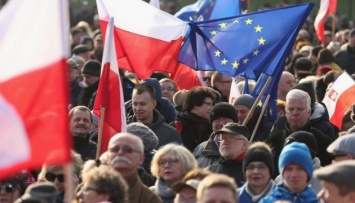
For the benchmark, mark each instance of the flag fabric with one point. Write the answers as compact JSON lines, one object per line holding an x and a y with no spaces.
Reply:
{"x":234,"y":92}
{"x":155,"y":3}
{"x":110,"y":93}
{"x":326,"y":8}
{"x":246,"y":45}
{"x":185,"y":77}
{"x":339,"y":98}
{"x":33,"y":85}
{"x":146,"y":38}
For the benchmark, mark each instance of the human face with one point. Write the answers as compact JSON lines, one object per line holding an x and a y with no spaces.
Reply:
{"x":297,"y":113}
{"x":57,"y":178}
{"x":90,"y":194}
{"x":257,"y":174}
{"x":224,"y":85}
{"x":352,"y":41}
{"x":330,"y":193}
{"x":242,"y":112}
{"x":170,"y":169}
{"x":167,"y":90}
{"x":90,"y":79}
{"x":207,"y":78}
{"x":143,"y":106}
{"x":80,"y":123}
{"x":9,"y":192}
{"x":217,"y":195}
{"x":72,"y":74}
{"x":295,"y":178}
{"x":219,"y":122}
{"x":124,"y":161}
{"x":205,"y":109}
{"x":186,"y":195}
{"x":287,"y":81}
{"x":231,"y":149}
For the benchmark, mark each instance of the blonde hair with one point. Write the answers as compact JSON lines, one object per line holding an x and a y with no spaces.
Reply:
{"x":217,"y":180}
{"x":179,"y":97}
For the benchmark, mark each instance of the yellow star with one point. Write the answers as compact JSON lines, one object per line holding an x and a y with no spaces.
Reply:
{"x":235,"y":64}
{"x":217,"y":53}
{"x":245,"y":61}
{"x":223,"y":25}
{"x":249,"y":21}
{"x":224,"y":61}
{"x":214,"y":32}
{"x":260,"y":103}
{"x":258,"y":28}
{"x":261,"y":41}
{"x":236,"y":21}
{"x":256,"y":52}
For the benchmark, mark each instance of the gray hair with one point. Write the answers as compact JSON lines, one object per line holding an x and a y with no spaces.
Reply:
{"x":299,"y":94}
{"x":150,"y":140}
{"x":136,"y":139}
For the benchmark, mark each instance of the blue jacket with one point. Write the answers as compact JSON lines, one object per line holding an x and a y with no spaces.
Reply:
{"x":245,"y":197}
{"x":281,"y":193}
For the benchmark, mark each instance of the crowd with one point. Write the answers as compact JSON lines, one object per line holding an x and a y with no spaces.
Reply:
{"x":193,"y":146}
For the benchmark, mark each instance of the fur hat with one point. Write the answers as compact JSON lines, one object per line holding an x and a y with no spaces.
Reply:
{"x":305,"y":138}
{"x":223,"y":109}
{"x":150,"y":140}
{"x":245,"y":100}
{"x":92,"y":67}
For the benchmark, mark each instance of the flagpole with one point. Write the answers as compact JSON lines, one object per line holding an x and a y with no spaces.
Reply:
{"x":257,"y":100}
{"x":100,"y":130}
{"x":260,"y":117}
{"x":68,"y":174}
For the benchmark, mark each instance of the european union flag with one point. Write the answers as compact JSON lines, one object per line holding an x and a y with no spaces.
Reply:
{"x":246,"y":45}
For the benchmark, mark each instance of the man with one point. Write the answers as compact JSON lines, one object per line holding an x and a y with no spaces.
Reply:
{"x":217,"y":188}
{"x":338,"y":182}
{"x":233,"y":144}
{"x":80,"y":122}
{"x":295,"y":165}
{"x":186,"y":191}
{"x":207,"y":78}
{"x":298,"y":111}
{"x":346,"y":57}
{"x":222,"y":83}
{"x":343,"y":148}
{"x":168,"y":88}
{"x":73,"y":79}
{"x":83,"y":51}
{"x":143,"y":106}
{"x":207,"y":152}
{"x":287,"y":81}
{"x":126,"y":153}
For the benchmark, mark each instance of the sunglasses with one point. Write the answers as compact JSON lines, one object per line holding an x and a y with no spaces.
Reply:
{"x":7,"y":188}
{"x":125,"y":149}
{"x":51,"y":177}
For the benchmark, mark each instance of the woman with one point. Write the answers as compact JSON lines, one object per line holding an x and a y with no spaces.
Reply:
{"x":258,"y":166}
{"x":12,"y":188}
{"x":170,"y":164}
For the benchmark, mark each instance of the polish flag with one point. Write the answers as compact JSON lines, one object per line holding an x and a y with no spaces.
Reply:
{"x":185,"y":77}
{"x":33,"y":85}
{"x":326,"y":8}
{"x":155,"y":3}
{"x":339,"y":98}
{"x":234,"y":92}
{"x":146,"y":38}
{"x":109,"y":95}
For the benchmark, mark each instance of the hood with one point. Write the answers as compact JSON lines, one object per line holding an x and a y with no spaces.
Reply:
{"x":154,"y":83}
{"x":320,"y":112}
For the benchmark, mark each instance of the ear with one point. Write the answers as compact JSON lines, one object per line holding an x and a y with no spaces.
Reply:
{"x":154,"y":103}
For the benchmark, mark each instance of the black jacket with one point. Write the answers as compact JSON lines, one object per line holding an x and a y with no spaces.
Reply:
{"x":207,"y":153}
{"x":232,"y":168}
{"x":85,"y":147}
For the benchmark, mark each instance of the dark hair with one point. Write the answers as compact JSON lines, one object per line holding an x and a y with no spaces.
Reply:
{"x":196,"y":97}
{"x":80,"y":108}
{"x":141,"y":88}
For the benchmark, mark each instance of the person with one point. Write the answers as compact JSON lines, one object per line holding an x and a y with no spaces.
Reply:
{"x":80,"y":122}
{"x":12,"y":188}
{"x":192,"y":124}
{"x":44,"y":192}
{"x":186,"y":191}
{"x":83,"y":51}
{"x":258,"y":168}
{"x":207,"y":78}
{"x":169,"y":165}
{"x":143,"y":106}
{"x":327,"y":58}
{"x":222,"y":83}
{"x":287,"y":81}
{"x":73,"y":79}
{"x":168,"y":88}
{"x":295,"y":165}
{"x":125,"y":153}
{"x":179,"y":99}
{"x":346,"y":57}
{"x":217,"y":188}
{"x":343,"y":148}
{"x":233,"y":144}
{"x":207,"y":153}
{"x":338,"y":182}
{"x":104,"y":183}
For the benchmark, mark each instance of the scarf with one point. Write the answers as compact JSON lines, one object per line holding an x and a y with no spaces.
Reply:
{"x":264,"y":193}
{"x":163,"y":190}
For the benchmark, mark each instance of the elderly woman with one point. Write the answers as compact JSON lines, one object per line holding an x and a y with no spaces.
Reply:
{"x":258,"y":167}
{"x":104,"y":184}
{"x":170,"y":164}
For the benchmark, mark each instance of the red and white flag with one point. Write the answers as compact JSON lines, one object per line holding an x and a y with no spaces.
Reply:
{"x":155,"y":3}
{"x":234,"y":92}
{"x":339,"y":98}
{"x":33,"y":85}
{"x":326,"y":8}
{"x":110,"y":94}
{"x":185,"y":77}
{"x":146,"y":38}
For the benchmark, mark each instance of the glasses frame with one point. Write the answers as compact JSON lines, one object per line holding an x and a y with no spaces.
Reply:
{"x":125,"y":149}
{"x":9,"y":188}
{"x":51,"y":177}
{"x":170,"y":162}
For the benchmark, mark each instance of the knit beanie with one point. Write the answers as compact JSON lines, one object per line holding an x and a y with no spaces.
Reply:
{"x":296,"y":153}
{"x":259,"y":154}
{"x":92,"y":67}
{"x":245,"y":100}
{"x":223,"y":109}
{"x":305,"y":138}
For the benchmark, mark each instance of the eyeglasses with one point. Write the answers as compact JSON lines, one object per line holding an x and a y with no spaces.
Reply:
{"x":51,"y":177}
{"x":206,"y":78}
{"x":260,"y":167}
{"x":7,"y":188}
{"x":170,"y":162}
{"x":125,"y":149}
{"x":85,"y":190}
{"x":220,"y":138}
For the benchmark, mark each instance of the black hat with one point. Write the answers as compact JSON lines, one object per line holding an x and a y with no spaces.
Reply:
{"x":303,"y":64}
{"x":92,"y":67}
{"x":81,"y":48}
{"x":234,"y":128}
{"x":39,"y":192}
{"x":262,"y":154}
{"x":223,"y":109}
{"x":305,"y":138}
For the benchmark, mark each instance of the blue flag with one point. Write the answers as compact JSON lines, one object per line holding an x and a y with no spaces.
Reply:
{"x":246,"y":45}
{"x":209,"y":9}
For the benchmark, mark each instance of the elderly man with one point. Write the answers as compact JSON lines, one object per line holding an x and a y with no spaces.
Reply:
{"x":338,"y":182}
{"x":233,"y":144}
{"x":343,"y":148}
{"x":298,"y":111}
{"x":125,"y":154}
{"x":80,"y":124}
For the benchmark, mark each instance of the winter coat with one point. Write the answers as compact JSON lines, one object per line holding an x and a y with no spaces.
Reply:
{"x":232,"y":168}
{"x":87,"y":93}
{"x":85,"y":147}
{"x":346,"y":59}
{"x":161,"y":189}
{"x":207,"y":153}
{"x":75,"y":90}
{"x":264,"y":127}
{"x":138,"y":192}
{"x":246,"y":195}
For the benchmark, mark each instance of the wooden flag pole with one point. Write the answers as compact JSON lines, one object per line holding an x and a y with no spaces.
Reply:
{"x":260,"y":117}
{"x":257,"y":100}
{"x":100,"y":131}
{"x":68,"y":174}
